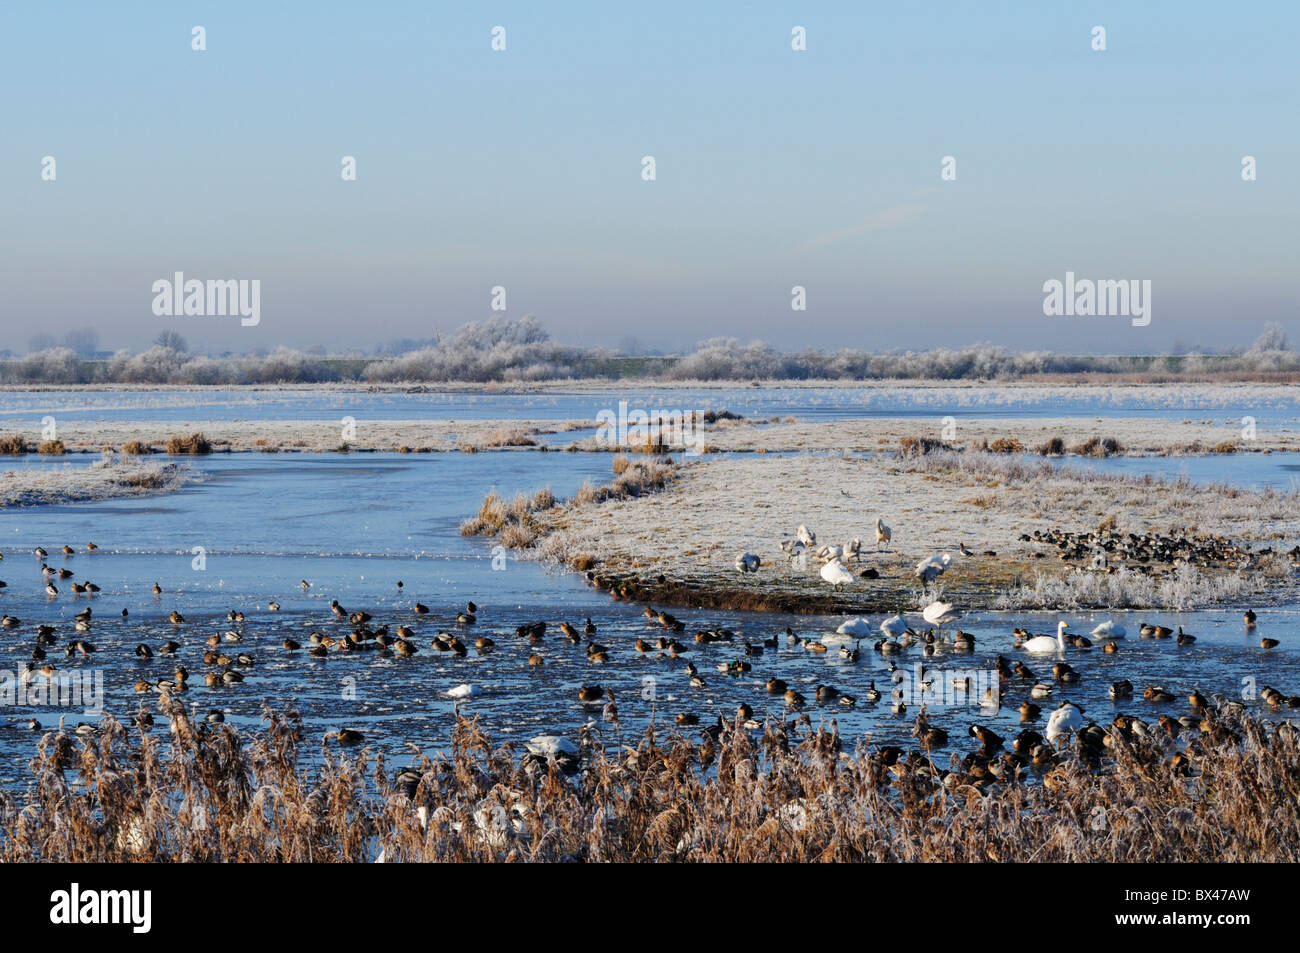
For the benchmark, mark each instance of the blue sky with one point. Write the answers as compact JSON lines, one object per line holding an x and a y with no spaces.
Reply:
{"x":775,"y":168}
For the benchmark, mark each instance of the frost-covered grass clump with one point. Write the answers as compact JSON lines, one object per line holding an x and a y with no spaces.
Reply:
{"x":105,"y":479}
{"x":1185,"y":589}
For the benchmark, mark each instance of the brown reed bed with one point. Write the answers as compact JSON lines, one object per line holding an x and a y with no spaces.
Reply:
{"x":194,"y":443}
{"x":920,"y":446}
{"x":1098,"y":447}
{"x":792,"y":792}
{"x":513,"y":523}
{"x":14,"y":445}
{"x":512,"y":437}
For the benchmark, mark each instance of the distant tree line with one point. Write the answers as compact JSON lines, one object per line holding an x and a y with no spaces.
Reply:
{"x":522,"y":351}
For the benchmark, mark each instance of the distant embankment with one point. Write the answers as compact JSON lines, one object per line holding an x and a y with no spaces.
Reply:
{"x":729,"y":361}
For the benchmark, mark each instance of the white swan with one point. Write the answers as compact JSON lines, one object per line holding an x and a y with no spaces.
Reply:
{"x":1110,"y":629}
{"x":857,"y":626}
{"x":827,"y":553}
{"x":931,"y":568}
{"x":1065,"y":719}
{"x":937,"y":613}
{"x":894,"y":626}
{"x":853,"y":549}
{"x":544,"y":745}
{"x":831,"y":638}
{"x":1045,"y":643}
{"x":793,"y":548}
{"x":808,"y":538}
{"x":464,"y":691}
{"x":835,"y":573}
{"x":748,"y":562}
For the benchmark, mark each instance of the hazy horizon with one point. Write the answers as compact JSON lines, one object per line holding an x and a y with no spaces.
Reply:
{"x":775,"y":168}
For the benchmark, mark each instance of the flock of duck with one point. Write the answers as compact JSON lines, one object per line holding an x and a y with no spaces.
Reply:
{"x":897,"y":636}
{"x":226,"y":665}
{"x":1109,"y":551}
{"x":1016,"y":683}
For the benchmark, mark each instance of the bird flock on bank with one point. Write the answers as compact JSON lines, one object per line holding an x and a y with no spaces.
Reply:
{"x":1100,"y":551}
{"x":840,"y":560}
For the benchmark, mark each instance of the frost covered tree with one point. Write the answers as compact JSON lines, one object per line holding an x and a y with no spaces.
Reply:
{"x":1274,"y":338}
{"x":172,"y":341}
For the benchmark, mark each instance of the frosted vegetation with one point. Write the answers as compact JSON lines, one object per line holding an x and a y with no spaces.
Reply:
{"x":1186,"y":588}
{"x":105,"y":479}
{"x":522,"y":351}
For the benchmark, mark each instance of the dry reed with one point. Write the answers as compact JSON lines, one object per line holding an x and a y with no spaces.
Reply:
{"x":792,"y":792}
{"x":195,"y":443}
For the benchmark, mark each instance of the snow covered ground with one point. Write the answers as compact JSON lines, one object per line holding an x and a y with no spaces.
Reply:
{"x":716,"y":509}
{"x":1137,"y":435}
{"x":102,"y":480}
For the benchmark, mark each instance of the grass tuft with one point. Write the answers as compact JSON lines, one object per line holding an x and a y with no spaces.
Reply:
{"x":195,"y":443}
{"x":14,"y":446}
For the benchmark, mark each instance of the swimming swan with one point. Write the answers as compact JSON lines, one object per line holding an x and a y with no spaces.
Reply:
{"x":1110,"y":629}
{"x":894,"y":626}
{"x":1065,"y":719}
{"x":1045,"y":643}
{"x":857,"y":626}
{"x":937,"y":613}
